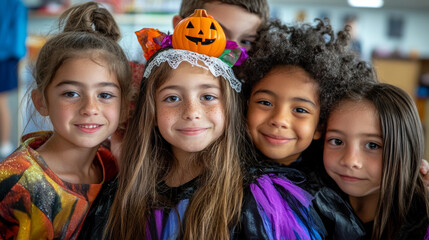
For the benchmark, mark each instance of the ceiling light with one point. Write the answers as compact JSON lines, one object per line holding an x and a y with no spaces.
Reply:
{"x":366,"y":3}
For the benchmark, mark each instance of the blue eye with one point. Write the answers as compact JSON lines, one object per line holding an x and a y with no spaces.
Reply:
{"x":71,"y":94}
{"x":245,"y":42}
{"x":172,"y":99}
{"x":265,"y":103}
{"x":105,"y":95}
{"x":372,"y":146}
{"x":335,"y":141}
{"x":208,"y":98}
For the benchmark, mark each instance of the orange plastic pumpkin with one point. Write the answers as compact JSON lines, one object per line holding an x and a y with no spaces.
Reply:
{"x":200,"y":33}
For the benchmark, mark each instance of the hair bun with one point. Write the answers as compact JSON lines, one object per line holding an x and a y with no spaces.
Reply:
{"x":92,"y":18}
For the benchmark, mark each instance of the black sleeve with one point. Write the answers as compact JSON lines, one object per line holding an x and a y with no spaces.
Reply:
{"x":251,"y":225}
{"x":337,"y":215}
{"x":96,"y":219}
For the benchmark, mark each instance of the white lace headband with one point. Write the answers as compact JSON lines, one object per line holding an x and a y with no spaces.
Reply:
{"x":176,"y":56}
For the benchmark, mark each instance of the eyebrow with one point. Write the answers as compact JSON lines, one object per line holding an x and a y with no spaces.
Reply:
{"x":79,"y":84}
{"x":296,"y":99}
{"x":365,"y":134}
{"x":177,"y":87}
{"x":250,"y":36}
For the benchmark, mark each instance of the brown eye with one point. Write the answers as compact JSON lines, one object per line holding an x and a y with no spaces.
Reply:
{"x":372,"y":146}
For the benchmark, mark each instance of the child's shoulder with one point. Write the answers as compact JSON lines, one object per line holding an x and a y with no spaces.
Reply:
{"x":24,"y":156}
{"x":337,"y":215}
{"x":12,"y":169}
{"x":16,"y":164}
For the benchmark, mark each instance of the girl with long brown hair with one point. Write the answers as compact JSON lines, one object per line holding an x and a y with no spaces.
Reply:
{"x":373,"y":150}
{"x":181,"y":175}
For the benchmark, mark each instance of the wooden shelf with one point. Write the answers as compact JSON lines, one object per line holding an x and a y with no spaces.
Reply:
{"x":405,"y":73}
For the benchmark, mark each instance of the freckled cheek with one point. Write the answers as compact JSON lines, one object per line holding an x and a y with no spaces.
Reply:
{"x":166,"y":116}
{"x":217,"y":114}
{"x":62,"y":111}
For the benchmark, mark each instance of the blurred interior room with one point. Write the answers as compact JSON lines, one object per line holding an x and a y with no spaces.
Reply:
{"x":393,"y":35}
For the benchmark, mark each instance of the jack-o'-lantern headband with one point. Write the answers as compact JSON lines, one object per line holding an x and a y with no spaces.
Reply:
{"x":197,"y":39}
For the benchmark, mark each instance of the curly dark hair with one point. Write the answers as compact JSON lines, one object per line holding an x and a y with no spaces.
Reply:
{"x":316,"y":49}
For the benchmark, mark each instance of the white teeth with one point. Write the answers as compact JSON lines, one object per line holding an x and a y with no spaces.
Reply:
{"x":88,"y":126}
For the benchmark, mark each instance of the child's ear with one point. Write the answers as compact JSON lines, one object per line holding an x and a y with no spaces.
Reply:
{"x":39,"y":102}
{"x":176,"y":20}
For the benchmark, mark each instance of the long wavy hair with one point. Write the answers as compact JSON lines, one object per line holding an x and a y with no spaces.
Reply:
{"x":402,"y":189}
{"x":214,"y":209}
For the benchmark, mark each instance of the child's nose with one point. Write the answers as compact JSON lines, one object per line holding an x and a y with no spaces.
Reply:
{"x":352,"y":158}
{"x":191,"y":110}
{"x":89,"y":106}
{"x":280,"y":119}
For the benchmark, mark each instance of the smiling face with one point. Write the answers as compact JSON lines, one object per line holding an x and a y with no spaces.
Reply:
{"x":353,"y":148}
{"x":190,"y":109}
{"x":283,"y":113}
{"x":83,"y":102}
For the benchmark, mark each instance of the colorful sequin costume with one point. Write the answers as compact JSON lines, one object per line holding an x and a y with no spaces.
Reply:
{"x":35,"y":203}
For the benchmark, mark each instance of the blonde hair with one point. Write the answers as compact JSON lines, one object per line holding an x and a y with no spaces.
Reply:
{"x":215,"y":207}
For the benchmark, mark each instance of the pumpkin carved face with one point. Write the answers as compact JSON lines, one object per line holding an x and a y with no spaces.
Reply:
{"x":200,"y":33}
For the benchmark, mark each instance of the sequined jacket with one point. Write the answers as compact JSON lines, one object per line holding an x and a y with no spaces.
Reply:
{"x":37,"y":204}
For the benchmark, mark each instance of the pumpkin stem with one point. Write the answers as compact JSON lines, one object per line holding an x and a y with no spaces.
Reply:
{"x":199,"y":13}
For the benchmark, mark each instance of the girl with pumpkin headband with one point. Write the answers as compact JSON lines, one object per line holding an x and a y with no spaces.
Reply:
{"x":185,"y":149}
